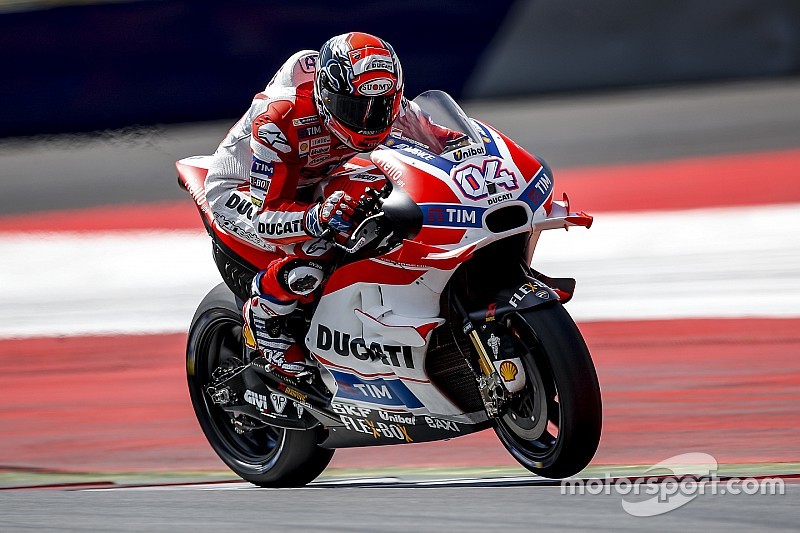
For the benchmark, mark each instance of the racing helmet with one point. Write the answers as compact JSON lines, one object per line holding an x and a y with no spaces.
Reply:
{"x":358,"y":89}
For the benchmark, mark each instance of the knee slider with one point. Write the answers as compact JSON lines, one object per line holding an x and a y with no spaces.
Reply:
{"x":265,"y":305}
{"x":301,"y":277}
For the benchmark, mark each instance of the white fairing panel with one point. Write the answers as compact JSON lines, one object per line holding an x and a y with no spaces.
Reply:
{"x":393,"y":322}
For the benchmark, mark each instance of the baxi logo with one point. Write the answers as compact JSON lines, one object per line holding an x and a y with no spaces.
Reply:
{"x":473,"y":180}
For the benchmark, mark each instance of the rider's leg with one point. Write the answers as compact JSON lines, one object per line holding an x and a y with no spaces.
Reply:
{"x":276,"y":291}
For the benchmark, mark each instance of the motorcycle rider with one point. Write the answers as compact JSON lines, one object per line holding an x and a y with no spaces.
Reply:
{"x":317,"y":112}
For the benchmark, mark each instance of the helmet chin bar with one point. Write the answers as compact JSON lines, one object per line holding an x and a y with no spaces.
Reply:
{"x":330,"y":123}
{"x":342,"y":133}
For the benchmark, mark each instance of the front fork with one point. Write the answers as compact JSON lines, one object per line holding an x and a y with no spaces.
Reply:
{"x":502,"y":374}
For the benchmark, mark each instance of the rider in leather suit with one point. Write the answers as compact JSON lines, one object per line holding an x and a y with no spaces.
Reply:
{"x":317,"y":112}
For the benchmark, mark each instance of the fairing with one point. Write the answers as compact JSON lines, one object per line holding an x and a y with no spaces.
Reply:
{"x":376,"y":354}
{"x":374,"y":322}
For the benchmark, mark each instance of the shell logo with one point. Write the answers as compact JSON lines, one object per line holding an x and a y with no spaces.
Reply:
{"x":247,"y":335}
{"x":508,"y":371}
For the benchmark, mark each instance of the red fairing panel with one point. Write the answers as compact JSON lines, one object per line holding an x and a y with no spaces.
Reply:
{"x":418,"y":184}
{"x":527,"y":164}
{"x":414,"y":253}
{"x":421,"y":187}
{"x":193,"y":179}
{"x":438,"y":236}
{"x":370,"y":271}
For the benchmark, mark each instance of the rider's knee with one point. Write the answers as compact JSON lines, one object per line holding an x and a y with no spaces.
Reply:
{"x":289,"y":280}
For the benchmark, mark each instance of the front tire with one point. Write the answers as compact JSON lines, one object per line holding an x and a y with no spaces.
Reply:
{"x":552,"y":427}
{"x":269,"y":456}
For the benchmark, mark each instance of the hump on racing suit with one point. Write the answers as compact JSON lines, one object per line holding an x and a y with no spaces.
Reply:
{"x":261,"y":187}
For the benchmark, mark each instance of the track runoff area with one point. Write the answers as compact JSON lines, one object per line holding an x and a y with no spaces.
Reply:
{"x":688,"y":296}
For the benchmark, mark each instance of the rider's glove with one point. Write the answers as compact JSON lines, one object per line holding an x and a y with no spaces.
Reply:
{"x":335,"y":212}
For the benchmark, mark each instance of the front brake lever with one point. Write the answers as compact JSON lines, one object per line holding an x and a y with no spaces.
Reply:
{"x":374,"y":198}
{"x":361,"y":235}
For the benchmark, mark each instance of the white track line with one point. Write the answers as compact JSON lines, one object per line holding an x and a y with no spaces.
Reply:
{"x":725,"y":262}
{"x":731,"y":262}
{"x":382,"y":482}
{"x":102,"y":283}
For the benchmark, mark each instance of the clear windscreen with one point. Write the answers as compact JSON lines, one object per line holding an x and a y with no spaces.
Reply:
{"x":435,"y":122}
{"x":444,"y":111}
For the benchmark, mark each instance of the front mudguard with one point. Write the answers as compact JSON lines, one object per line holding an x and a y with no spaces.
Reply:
{"x":530,"y":291}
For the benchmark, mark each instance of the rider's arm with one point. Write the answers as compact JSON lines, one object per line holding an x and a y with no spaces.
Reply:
{"x":274,"y":176}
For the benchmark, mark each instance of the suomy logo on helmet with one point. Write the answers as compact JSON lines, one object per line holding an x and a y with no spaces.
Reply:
{"x":376,"y":87}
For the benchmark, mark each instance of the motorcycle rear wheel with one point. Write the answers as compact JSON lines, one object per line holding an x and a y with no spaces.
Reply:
{"x":553,"y":426}
{"x":269,"y":456}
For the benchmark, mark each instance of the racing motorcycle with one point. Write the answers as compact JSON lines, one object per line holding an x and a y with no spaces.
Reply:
{"x":432,"y":322}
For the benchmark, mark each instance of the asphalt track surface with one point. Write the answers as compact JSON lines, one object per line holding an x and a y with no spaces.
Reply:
{"x":375,"y":509}
{"x":731,"y":391}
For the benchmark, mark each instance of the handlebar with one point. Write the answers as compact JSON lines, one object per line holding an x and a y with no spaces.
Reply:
{"x":362,"y":213}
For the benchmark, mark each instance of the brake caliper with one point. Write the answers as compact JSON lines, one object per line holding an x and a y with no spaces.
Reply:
{"x":503,"y":374}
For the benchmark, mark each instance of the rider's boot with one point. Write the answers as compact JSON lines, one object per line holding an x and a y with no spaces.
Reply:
{"x":265,"y":333}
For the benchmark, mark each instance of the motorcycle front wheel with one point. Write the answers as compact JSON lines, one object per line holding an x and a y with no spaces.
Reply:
{"x":268,"y":456}
{"x":552,"y":427}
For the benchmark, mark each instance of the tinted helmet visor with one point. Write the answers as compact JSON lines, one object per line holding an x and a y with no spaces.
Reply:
{"x":360,"y":113}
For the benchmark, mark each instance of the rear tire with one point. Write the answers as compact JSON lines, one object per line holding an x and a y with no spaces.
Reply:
{"x":553,"y":426}
{"x":268,"y":457}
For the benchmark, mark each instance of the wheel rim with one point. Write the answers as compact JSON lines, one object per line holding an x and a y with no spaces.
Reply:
{"x":220,"y":344}
{"x":530,"y":425}
{"x":527,"y":417}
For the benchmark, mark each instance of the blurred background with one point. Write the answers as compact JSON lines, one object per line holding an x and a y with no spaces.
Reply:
{"x":77,"y":66}
{"x":676,"y":123}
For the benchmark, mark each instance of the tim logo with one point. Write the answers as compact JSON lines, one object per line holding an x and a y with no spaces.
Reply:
{"x":473,"y":180}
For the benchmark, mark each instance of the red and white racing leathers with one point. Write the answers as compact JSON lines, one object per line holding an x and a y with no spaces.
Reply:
{"x":264,"y":173}
{"x":273,"y":164}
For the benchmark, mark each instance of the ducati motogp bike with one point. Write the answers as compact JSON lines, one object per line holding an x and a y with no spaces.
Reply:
{"x":432,"y":322}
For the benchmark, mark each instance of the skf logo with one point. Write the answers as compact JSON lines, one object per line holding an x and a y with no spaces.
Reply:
{"x":472,"y":180}
{"x":508,"y":371}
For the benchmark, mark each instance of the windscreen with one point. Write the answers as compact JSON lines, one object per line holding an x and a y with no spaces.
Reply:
{"x":444,"y":111}
{"x":436,"y":122}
